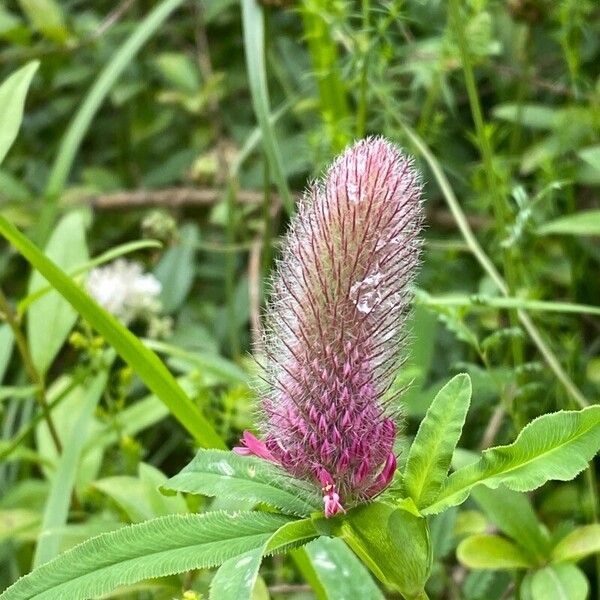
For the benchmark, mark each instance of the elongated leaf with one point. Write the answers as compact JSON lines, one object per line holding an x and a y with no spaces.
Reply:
{"x":226,"y":474}
{"x":7,"y":341}
{"x":142,"y":360}
{"x":81,"y":121}
{"x":236,"y":578}
{"x":254,"y":47}
{"x":57,"y":505}
{"x":491,"y":552}
{"x":578,"y":544}
{"x":163,"y":546}
{"x":176,"y":271}
{"x":431,"y":451}
{"x":51,"y":319}
{"x":12,"y":100}
{"x":336,"y":570}
{"x":555,"y":446}
{"x":559,"y":582}
{"x":582,"y":223}
{"x":513,"y":514}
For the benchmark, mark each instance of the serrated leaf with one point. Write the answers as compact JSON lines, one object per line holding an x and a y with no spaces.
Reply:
{"x":513,"y":514}
{"x":491,"y":552}
{"x":555,"y":446}
{"x":578,"y":544}
{"x":559,"y":582}
{"x":51,"y":318}
{"x":228,"y":475}
{"x":431,"y":451}
{"x":335,"y":572}
{"x":156,"y":548}
{"x":236,"y":578}
{"x":12,"y":100}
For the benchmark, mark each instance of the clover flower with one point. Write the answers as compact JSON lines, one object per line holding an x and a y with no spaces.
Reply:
{"x":334,"y":326}
{"x":124,"y":290}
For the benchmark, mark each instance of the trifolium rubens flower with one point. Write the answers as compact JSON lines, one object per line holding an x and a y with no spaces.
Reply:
{"x":125,"y":290}
{"x":335,"y":326}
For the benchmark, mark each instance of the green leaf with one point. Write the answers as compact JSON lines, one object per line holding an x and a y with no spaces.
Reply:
{"x":139,"y":496}
{"x":535,"y":116}
{"x":57,"y":505}
{"x":175,"y":271}
{"x":393,"y":543}
{"x":513,"y":514}
{"x":578,"y":544}
{"x":254,"y":48}
{"x":333,"y":568}
{"x":559,"y":582}
{"x":236,"y":578}
{"x":12,"y":100}
{"x":156,"y":548}
{"x":46,"y":17}
{"x":142,"y":360}
{"x":7,"y":340}
{"x":228,"y":475}
{"x":581,"y":223}
{"x":431,"y":451}
{"x":554,"y":446}
{"x":491,"y":552}
{"x":51,"y":318}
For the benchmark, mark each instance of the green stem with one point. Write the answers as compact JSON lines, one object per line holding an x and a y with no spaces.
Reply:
{"x":361,"y":116}
{"x":500,"y":209}
{"x":34,"y":375}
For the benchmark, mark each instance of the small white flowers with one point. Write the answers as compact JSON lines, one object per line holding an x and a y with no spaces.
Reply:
{"x":125,"y":291}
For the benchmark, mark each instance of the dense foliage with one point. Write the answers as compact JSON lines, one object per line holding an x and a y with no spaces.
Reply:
{"x":156,"y":152}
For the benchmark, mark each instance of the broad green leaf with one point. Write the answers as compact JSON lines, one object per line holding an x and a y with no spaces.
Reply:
{"x":578,"y":544}
{"x":50,"y":320}
{"x":59,"y":499}
{"x":175,"y":271}
{"x":491,"y":552}
{"x":226,"y":474}
{"x":554,"y":446}
{"x":535,"y":116}
{"x":581,"y":223}
{"x":139,"y":496}
{"x":236,"y":578}
{"x":335,"y":573}
{"x":7,"y":341}
{"x":46,"y":16}
{"x":431,"y":451}
{"x":142,"y":360}
{"x":556,"y":582}
{"x":513,"y":514}
{"x":156,"y":548}
{"x":393,"y":543}
{"x":12,"y":100}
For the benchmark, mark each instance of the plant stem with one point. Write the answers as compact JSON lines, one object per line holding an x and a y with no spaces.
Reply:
{"x":488,"y":265}
{"x":485,"y":147}
{"x":361,"y":115}
{"x":33,"y":374}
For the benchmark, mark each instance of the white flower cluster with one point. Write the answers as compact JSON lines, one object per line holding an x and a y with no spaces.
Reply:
{"x":125,"y":291}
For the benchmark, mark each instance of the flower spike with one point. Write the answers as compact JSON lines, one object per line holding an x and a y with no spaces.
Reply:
{"x":335,"y":325}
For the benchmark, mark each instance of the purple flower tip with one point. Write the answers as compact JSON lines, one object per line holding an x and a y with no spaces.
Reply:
{"x":335,"y":325}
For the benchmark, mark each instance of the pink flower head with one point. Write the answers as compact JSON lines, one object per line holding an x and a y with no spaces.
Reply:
{"x":334,"y":325}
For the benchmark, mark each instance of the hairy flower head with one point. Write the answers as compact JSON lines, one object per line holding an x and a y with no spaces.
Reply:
{"x":335,"y":325}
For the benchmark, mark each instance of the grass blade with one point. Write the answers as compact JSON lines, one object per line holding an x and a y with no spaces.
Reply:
{"x":141,"y":359}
